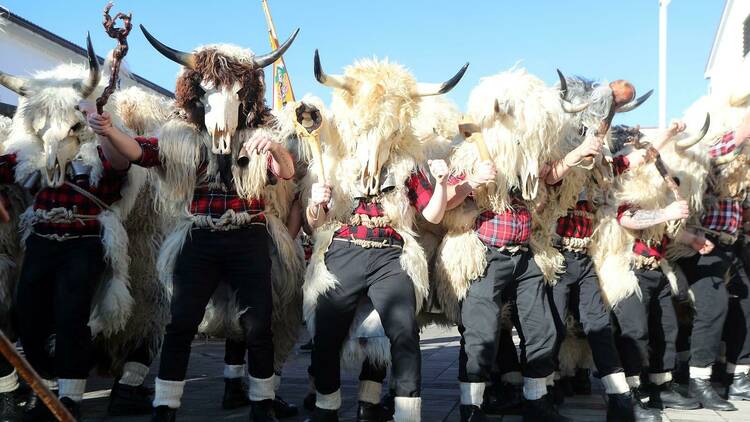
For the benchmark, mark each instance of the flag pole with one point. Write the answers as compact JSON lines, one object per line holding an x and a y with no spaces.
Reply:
{"x":269,"y":22}
{"x":282,"y":84}
{"x":663,"y":4}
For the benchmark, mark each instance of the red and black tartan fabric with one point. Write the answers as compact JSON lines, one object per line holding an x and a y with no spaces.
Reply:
{"x":7,"y":168}
{"x":208,"y":201}
{"x":419,"y":192}
{"x":723,"y":216}
{"x":620,"y":164}
{"x":654,"y":249}
{"x":509,"y":228}
{"x":723,"y":146}
{"x":108,"y":191}
{"x":576,"y":223}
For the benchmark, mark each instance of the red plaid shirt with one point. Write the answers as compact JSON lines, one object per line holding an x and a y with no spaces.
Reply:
{"x":213,"y":202}
{"x":419,"y":192}
{"x":620,"y":164}
{"x":645,"y":248}
{"x":509,"y":228}
{"x":723,"y":146}
{"x":723,"y":216}
{"x":578,"y":223}
{"x":108,"y":191}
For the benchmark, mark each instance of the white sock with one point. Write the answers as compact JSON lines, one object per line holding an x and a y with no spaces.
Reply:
{"x":615,"y":383}
{"x":534,"y":388}
{"x":133,"y":374}
{"x":369,"y":391}
{"x":512,"y":378}
{"x":633,"y":381}
{"x":276,"y":383}
{"x":72,"y":388}
{"x":234,"y":371}
{"x":9,"y":382}
{"x":700,"y":373}
{"x":328,"y":401}
{"x":260,"y":389}
{"x":472,"y":393}
{"x":660,"y":378}
{"x":737,"y":369}
{"x":407,"y":409}
{"x":168,"y":393}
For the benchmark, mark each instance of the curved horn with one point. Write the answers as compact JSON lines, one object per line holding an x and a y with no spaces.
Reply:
{"x":567,"y":106}
{"x":268,"y":59}
{"x":88,"y":86}
{"x":635,"y":103}
{"x":13,"y":83}
{"x":332,"y":81}
{"x":692,"y":140}
{"x":739,"y":100}
{"x":563,"y":85}
{"x":427,"y":89}
{"x":177,"y":56}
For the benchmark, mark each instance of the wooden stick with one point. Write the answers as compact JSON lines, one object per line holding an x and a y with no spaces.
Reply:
{"x":28,"y":373}
{"x":121,"y":35}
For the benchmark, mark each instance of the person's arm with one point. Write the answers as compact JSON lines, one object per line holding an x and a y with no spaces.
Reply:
{"x":590,"y":147}
{"x":435,"y":209}
{"x":674,"y":129}
{"x":119,"y":146}
{"x":458,"y":192}
{"x":294,"y":219}
{"x":696,"y":241}
{"x":642,"y":219}
{"x":282,"y":163}
{"x":317,"y":211}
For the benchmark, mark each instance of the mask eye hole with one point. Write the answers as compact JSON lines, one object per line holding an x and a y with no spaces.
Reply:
{"x":76,"y":127}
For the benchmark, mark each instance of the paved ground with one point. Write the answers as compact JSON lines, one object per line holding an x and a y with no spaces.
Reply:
{"x":202,"y":401}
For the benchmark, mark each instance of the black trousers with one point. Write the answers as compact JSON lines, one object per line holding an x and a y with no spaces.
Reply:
{"x":580,"y":284}
{"x":234,"y":352}
{"x":377,"y":273}
{"x":647,"y":327}
{"x":238,"y":257}
{"x":480,"y":318}
{"x":719,"y":306}
{"x":5,"y":367}
{"x":54,"y":295}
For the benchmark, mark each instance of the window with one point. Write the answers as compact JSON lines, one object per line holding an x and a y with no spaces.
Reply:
{"x":746,"y":37}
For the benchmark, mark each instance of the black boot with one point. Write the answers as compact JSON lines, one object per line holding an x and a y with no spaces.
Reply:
{"x":262,"y":411}
{"x":126,"y":400}
{"x":626,"y":408}
{"x":323,"y":415}
{"x":36,"y":411}
{"x":9,"y":410}
{"x":163,"y":414}
{"x":235,"y":394}
{"x":581,"y":382}
{"x":739,"y":387}
{"x":681,"y":374}
{"x":542,"y":410}
{"x":309,"y":402}
{"x":566,"y":387}
{"x":666,"y":396}
{"x":282,"y":409}
{"x":389,"y":405}
{"x":73,"y":407}
{"x":502,"y":399}
{"x":369,"y":412}
{"x":556,"y":393}
{"x":471,"y":413}
{"x":704,"y":393}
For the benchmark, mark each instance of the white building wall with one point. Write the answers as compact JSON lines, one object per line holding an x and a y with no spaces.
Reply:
{"x":727,"y":62}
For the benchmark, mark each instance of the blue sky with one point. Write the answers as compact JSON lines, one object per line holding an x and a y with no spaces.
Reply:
{"x":602,"y":39}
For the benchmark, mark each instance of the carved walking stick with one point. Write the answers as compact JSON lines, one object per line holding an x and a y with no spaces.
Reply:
{"x":473,"y":133}
{"x":121,"y":35}
{"x":308,"y":125}
{"x":28,"y":373}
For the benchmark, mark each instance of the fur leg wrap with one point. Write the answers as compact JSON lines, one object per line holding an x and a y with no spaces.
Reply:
{"x":534,"y":388}
{"x":369,"y":391}
{"x":133,"y":374}
{"x":634,"y":381}
{"x":700,"y":373}
{"x":50,"y":384}
{"x":731,"y":369}
{"x":615,"y":383}
{"x":328,"y":401}
{"x":9,"y":383}
{"x":168,"y":393}
{"x":660,"y":378}
{"x":261,"y":388}
{"x":407,"y":409}
{"x":72,"y":388}
{"x":234,"y":371}
{"x":472,"y":393}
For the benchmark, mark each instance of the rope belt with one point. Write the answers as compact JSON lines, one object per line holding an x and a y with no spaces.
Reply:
{"x":230,"y":220}
{"x":368,"y":244}
{"x":512,"y":249}
{"x":646,"y":262}
{"x":575,"y":244}
{"x":369,"y":222}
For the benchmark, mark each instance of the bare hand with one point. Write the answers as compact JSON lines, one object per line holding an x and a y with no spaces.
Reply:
{"x":677,"y":210}
{"x":485,"y":173}
{"x":320,"y":194}
{"x":676,"y":127}
{"x":101,"y":124}
{"x":439,"y":170}
{"x":702,"y":245}
{"x":260,"y":144}
{"x":4,"y":215}
{"x":591,"y":147}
